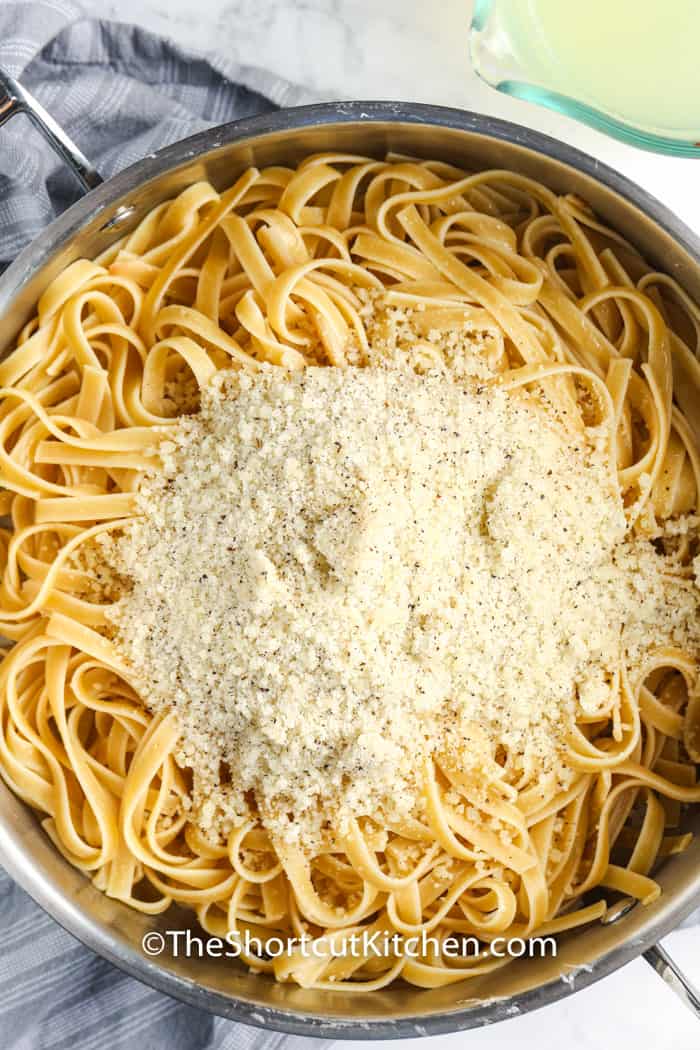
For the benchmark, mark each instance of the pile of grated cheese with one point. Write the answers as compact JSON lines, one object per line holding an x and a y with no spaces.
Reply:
{"x":466,"y":344}
{"x":340,"y":572}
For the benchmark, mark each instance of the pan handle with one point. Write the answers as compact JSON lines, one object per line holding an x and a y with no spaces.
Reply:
{"x":667,"y":969}
{"x":16,"y":99}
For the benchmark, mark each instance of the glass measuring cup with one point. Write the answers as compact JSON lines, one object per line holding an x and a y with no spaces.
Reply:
{"x":629,"y":68}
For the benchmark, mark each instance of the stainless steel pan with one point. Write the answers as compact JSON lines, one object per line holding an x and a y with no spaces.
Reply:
{"x":110,"y":209}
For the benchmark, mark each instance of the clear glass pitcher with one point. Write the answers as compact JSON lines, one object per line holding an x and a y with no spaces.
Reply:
{"x":629,"y":68}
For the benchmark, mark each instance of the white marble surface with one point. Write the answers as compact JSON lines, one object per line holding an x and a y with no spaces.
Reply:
{"x":416,"y":50}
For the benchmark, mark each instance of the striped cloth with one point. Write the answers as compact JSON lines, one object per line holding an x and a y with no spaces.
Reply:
{"x":120,"y":93}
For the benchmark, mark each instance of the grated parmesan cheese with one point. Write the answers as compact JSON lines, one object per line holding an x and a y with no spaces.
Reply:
{"x":339,"y":572}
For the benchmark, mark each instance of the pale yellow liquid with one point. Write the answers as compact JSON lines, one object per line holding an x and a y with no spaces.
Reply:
{"x":636,"y":59}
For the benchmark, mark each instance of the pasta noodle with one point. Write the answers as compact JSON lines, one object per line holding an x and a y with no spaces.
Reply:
{"x":274,"y":272}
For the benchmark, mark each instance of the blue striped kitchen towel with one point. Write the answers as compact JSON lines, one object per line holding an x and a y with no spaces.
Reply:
{"x":120,"y":93}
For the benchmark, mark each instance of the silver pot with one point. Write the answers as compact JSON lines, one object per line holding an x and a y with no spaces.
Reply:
{"x":110,"y":209}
